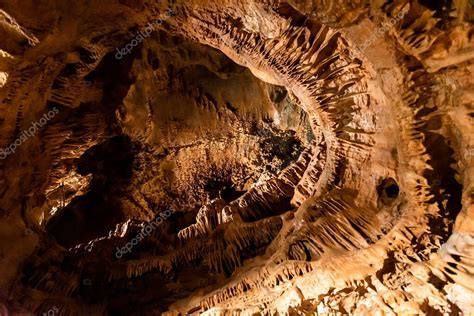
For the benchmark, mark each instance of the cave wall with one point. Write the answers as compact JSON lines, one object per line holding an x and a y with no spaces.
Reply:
{"x":313,"y":157}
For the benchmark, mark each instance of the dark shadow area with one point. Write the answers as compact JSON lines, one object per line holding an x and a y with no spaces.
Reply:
{"x":97,"y":212}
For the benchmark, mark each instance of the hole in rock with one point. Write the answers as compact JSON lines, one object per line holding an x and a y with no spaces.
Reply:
{"x":388,"y":190}
{"x":236,"y":156}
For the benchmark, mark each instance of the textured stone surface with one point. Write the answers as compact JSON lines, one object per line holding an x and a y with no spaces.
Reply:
{"x":236,"y":157}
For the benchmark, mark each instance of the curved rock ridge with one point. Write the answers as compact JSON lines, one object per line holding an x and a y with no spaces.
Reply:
{"x":236,"y":157}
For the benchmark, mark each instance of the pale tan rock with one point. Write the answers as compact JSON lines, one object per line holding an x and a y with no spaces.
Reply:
{"x":232,"y":157}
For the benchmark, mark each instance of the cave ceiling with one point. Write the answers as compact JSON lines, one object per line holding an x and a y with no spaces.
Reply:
{"x":236,"y":157}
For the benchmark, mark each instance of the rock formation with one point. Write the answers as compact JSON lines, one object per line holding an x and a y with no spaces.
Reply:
{"x":224,"y":157}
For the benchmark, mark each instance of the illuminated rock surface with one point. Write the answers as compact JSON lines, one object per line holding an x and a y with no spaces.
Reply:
{"x":236,"y":157}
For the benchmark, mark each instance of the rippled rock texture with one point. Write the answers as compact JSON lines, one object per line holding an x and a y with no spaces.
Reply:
{"x":224,"y":157}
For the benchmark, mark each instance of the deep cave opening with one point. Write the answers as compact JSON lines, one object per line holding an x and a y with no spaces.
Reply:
{"x":252,"y":157}
{"x":199,"y":108}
